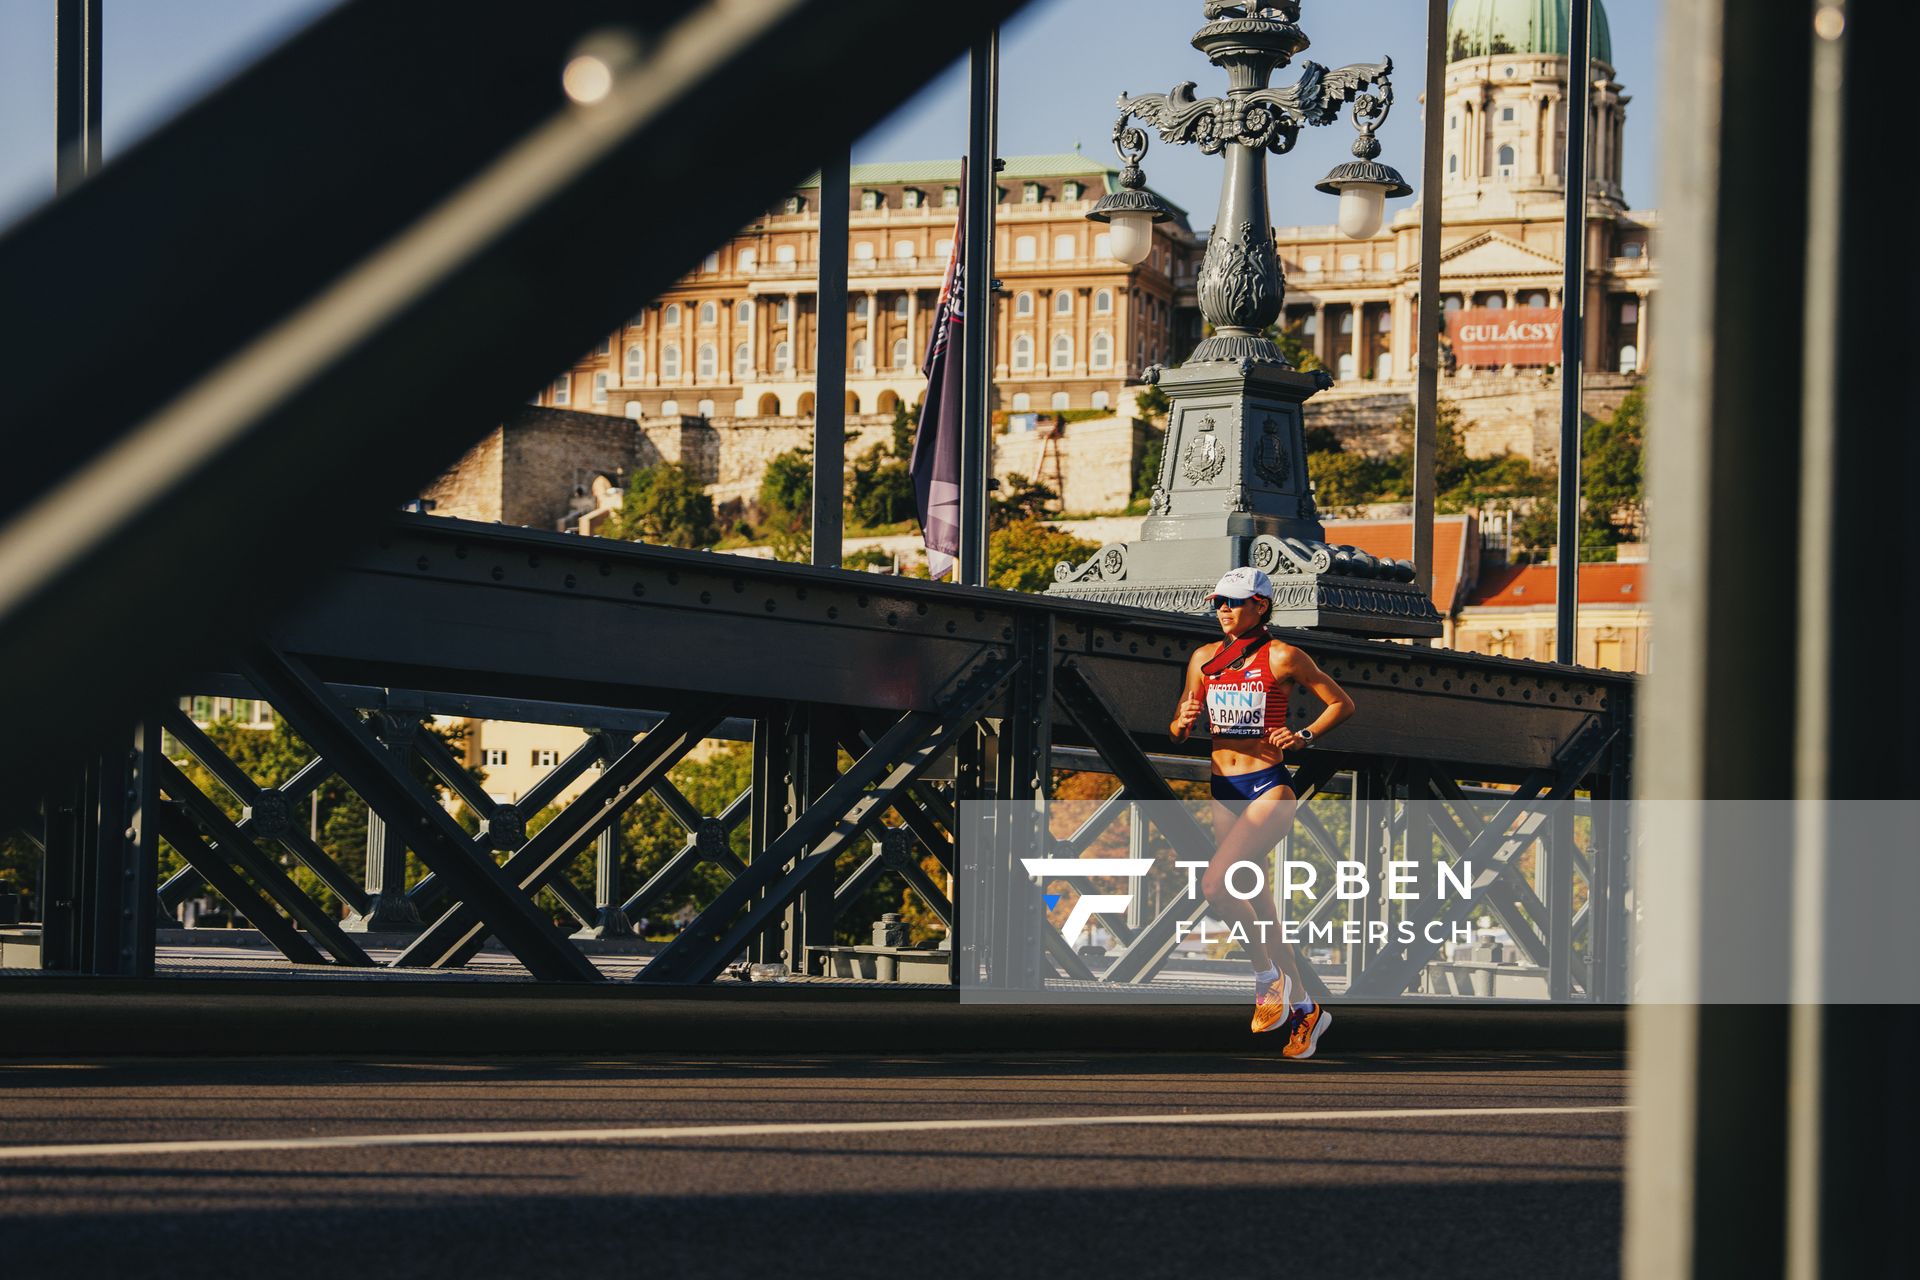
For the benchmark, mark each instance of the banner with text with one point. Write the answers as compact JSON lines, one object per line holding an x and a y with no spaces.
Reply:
{"x":1484,"y":337}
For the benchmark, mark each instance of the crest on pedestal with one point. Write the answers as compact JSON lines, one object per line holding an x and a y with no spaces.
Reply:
{"x":1204,"y":456}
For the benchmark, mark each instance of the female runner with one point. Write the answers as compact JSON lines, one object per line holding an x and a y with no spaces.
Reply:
{"x":1242,"y":684}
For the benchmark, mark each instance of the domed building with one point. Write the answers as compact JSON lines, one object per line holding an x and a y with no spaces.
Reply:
{"x":1503,"y":241}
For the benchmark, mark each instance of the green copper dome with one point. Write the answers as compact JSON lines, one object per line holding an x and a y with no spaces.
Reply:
{"x":1477,"y":27}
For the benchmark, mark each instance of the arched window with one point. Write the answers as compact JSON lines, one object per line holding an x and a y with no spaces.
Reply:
{"x":599,"y":388}
{"x":1103,"y":302}
{"x":744,"y":312}
{"x":942,"y":247}
{"x":709,"y":361}
{"x":864,"y":251}
{"x":853,"y":403}
{"x":887,"y":403}
{"x":563,"y":388}
{"x":672,"y":315}
{"x":860,"y":307}
{"x":783,"y":312}
{"x":1346,"y":321}
{"x":900,"y":353}
{"x":1063,"y":302}
{"x":670,"y":360}
{"x":1026,"y":249}
{"x":742,"y":362}
{"x":1102,"y":353}
{"x":806,"y":404}
{"x":1504,"y":158}
{"x":903,"y":248}
{"x":1629,"y":359}
{"x":1022,"y":353}
{"x":711,"y":262}
{"x":860,"y":355}
{"x":1022,"y":402}
{"x":704,"y":408}
{"x":1103,"y":244}
{"x":636,"y":362}
{"x":1101,"y":400}
{"x":748,"y":260}
{"x":708,"y":314}
{"x":769,"y":405}
{"x":1062,"y":352}
{"x":1064,"y":247}
{"x":1383,"y":323}
{"x":668,"y":408}
{"x":783,"y":253}
{"x":1023,"y":304}
{"x":1061,"y":400}
{"x":1453,"y":165}
{"x":1536,"y":299}
{"x":900,"y":306}
{"x":634,"y":409}
{"x":1495,"y":302}
{"x":782,"y":356}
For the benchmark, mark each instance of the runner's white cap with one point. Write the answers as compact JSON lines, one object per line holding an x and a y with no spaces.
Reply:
{"x":1245,"y":581}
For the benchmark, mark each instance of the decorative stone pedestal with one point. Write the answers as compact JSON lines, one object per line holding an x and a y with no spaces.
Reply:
{"x":1233,"y":491}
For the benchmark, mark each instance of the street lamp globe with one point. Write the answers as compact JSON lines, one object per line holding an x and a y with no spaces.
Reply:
{"x":1363,"y":187}
{"x":1132,"y":235}
{"x":1132,"y":210}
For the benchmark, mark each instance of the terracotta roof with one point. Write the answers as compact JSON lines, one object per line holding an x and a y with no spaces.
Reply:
{"x":1533,"y":585}
{"x":1395,"y":538}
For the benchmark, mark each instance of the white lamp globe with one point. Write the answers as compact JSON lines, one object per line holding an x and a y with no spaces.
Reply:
{"x":1132,"y":235}
{"x":1362,"y":206}
{"x":1363,"y":188}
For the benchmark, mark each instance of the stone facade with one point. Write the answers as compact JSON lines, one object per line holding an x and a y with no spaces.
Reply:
{"x":1517,"y":413}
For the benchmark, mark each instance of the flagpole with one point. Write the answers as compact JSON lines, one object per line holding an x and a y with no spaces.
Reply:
{"x":830,"y":356}
{"x":976,"y":333}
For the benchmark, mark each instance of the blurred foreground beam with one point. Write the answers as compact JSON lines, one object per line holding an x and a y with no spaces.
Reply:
{"x":326,"y":279}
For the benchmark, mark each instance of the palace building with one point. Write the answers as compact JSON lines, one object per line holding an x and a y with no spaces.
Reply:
{"x":1503,"y":240}
{"x":735,"y":337}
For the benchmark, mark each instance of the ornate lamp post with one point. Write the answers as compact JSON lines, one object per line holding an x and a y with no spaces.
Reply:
{"x":1233,"y":484}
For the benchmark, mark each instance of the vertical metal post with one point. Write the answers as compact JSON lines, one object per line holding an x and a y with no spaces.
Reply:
{"x":140,"y":860}
{"x":830,"y":357}
{"x":609,"y":920}
{"x":1427,"y":396}
{"x":62,"y":881}
{"x":1573,"y":293}
{"x":76,"y":71}
{"x":976,"y":441}
{"x":769,"y":811}
{"x":1707,"y":1136}
{"x":389,"y":909}
{"x":1556,"y":852}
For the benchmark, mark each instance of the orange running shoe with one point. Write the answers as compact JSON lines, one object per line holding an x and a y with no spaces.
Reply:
{"x":1307,"y":1032}
{"x":1273,"y":1005}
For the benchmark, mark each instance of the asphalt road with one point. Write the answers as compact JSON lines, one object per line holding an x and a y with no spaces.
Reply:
{"x":1029,"y":1174}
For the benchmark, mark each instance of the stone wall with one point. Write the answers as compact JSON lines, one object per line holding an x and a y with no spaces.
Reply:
{"x":530,"y":470}
{"x":1517,"y":413}
{"x":1098,"y":457}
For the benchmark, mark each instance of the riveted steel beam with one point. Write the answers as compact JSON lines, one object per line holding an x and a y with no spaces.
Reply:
{"x":462,"y":929}
{"x":818,"y":835}
{"x":391,"y":790}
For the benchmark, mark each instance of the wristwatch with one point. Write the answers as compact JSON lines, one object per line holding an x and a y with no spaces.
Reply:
{"x":1305,"y":735}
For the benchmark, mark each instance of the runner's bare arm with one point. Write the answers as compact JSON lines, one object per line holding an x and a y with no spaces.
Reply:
{"x":1187,"y":713}
{"x":1288,"y":663}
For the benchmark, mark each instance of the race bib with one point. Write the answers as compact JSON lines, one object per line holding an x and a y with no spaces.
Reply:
{"x":1237,"y":712}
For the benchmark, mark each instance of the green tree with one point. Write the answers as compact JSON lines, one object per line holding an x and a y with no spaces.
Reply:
{"x":786,"y":503}
{"x":1017,"y":499}
{"x":880,"y":490}
{"x":664,"y":505}
{"x":1292,"y":341}
{"x":1152,"y":404}
{"x":1612,"y":484}
{"x":1021,"y":554}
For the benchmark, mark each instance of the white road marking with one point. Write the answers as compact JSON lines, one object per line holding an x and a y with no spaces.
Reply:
{"x":506,"y":1137}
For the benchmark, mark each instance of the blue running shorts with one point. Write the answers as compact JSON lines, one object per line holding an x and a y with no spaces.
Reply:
{"x":1241,"y":787}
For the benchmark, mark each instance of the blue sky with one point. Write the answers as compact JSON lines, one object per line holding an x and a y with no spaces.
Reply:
{"x":1063,"y":63}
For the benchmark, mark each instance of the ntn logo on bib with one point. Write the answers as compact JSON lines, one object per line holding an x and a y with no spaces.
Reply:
{"x":1237,"y":710}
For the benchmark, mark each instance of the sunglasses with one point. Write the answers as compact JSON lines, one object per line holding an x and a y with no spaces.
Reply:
{"x":1227,"y":602}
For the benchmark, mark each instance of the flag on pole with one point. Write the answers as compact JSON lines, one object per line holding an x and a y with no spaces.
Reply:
{"x":936,"y":442}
